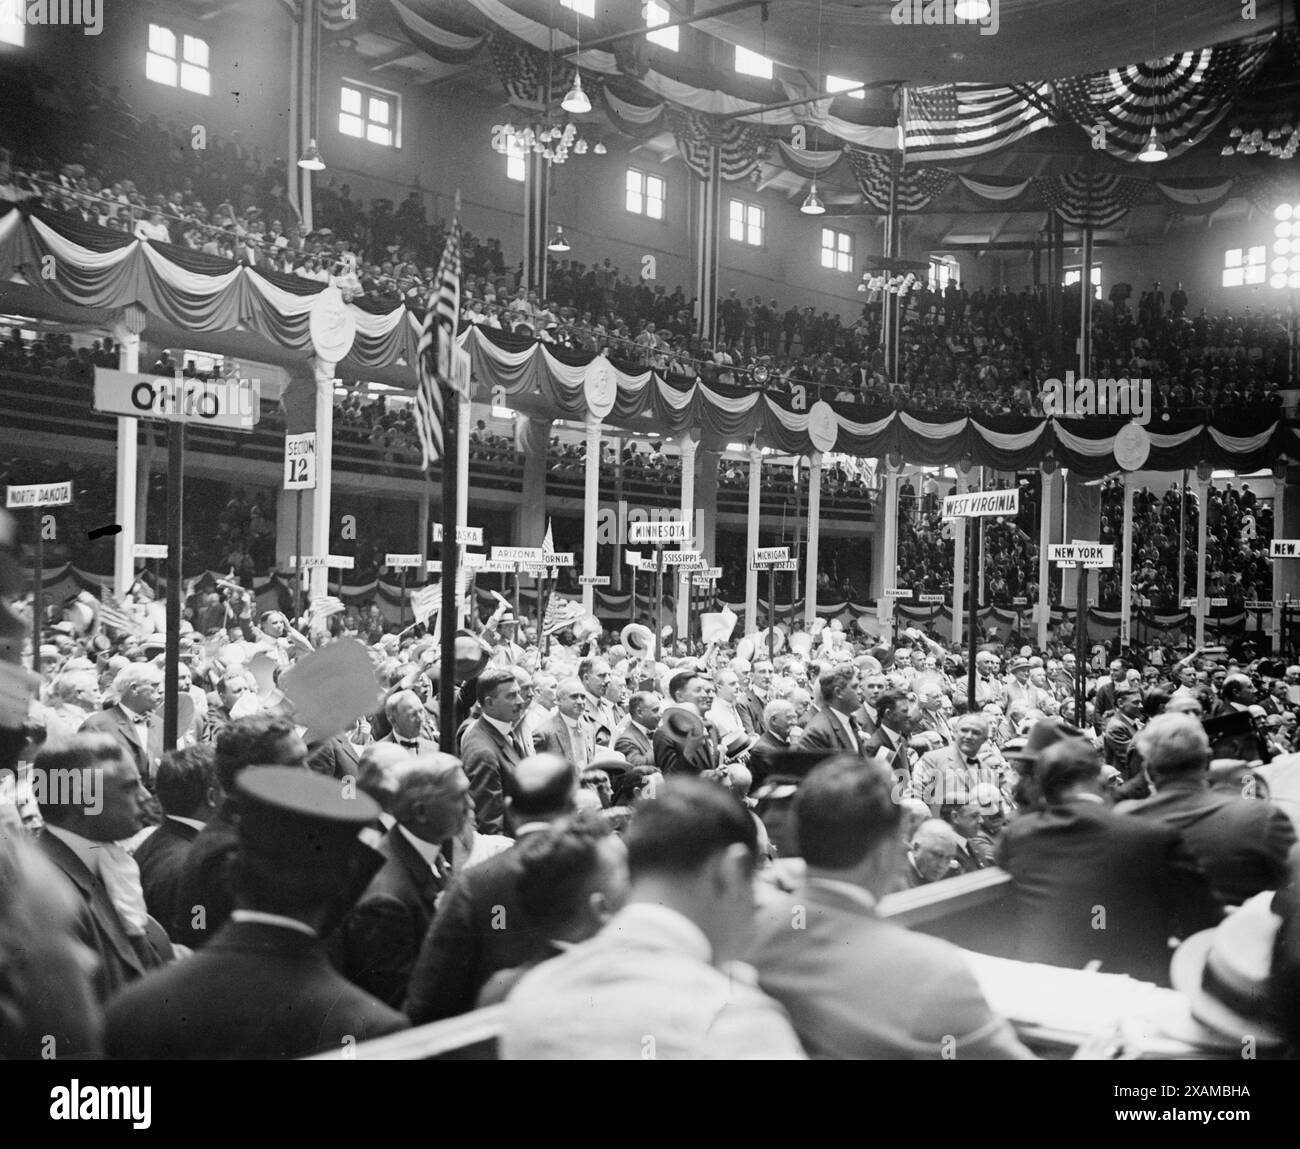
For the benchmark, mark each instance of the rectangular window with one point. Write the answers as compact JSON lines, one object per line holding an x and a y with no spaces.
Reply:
{"x":1243,"y":266}
{"x":752,"y":64}
{"x":837,"y":250}
{"x":367,"y":113}
{"x":581,"y":7}
{"x":745,"y":222}
{"x":645,"y":194}
{"x":12,"y":29}
{"x":943,"y":271}
{"x":178,"y":61}
{"x":656,"y":14}
{"x":840,"y":84}
{"x":1072,"y":275}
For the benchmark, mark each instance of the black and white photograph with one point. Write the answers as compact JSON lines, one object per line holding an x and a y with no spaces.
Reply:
{"x":634,"y":530}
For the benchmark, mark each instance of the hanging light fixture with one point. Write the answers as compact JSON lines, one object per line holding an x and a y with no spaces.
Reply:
{"x":558,"y":242}
{"x":1153,"y":151}
{"x":310,"y":159}
{"x":813,"y":204}
{"x":575,"y":100}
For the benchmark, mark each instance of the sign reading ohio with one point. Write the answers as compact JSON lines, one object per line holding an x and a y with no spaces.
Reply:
{"x":231,"y":403}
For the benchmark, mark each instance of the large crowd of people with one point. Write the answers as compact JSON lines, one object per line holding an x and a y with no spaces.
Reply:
{"x":642,"y":823}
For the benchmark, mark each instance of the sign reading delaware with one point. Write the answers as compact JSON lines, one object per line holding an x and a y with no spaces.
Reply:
{"x":981,"y":12}
{"x":1071,"y":397}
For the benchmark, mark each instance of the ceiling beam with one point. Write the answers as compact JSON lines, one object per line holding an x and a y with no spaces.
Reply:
{"x":632,"y":33}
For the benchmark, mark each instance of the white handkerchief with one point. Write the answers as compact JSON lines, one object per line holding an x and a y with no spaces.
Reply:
{"x":120,"y":874}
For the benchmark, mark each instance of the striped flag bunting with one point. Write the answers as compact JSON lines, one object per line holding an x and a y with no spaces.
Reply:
{"x":324,"y":606}
{"x":114,"y":616}
{"x":435,"y":350}
{"x":917,"y":186}
{"x":425,"y":600}
{"x":953,"y":121}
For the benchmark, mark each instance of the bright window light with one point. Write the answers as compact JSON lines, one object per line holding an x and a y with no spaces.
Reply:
{"x":184,"y":64}
{"x":581,"y":7}
{"x":837,"y":250}
{"x":645,"y":194}
{"x":752,"y":64}
{"x":656,"y":14}
{"x":840,"y":84}
{"x":368,"y":114}
{"x":12,"y":30}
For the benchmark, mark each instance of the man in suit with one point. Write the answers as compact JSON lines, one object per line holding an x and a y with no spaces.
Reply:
{"x":376,"y":945}
{"x":683,"y":743}
{"x":597,"y":711}
{"x":833,"y":728}
{"x":204,"y":895}
{"x":1092,"y":885}
{"x":931,"y":855}
{"x":1240,"y":842}
{"x":931,"y":718}
{"x":889,"y":743}
{"x":873,"y":686}
{"x":187,"y":789}
{"x":138,"y":687}
{"x":337,"y":757}
{"x":635,"y":738}
{"x":1121,"y":727}
{"x":988,"y":686}
{"x":1105,"y":697}
{"x":764,"y":758}
{"x":857,"y":986}
{"x":748,"y":708}
{"x":758,"y":692}
{"x":480,"y":926}
{"x":263,"y":988}
{"x":950,"y":775}
{"x":564,"y":733}
{"x":405,"y":713}
{"x":491,"y":747}
{"x":91,"y":795}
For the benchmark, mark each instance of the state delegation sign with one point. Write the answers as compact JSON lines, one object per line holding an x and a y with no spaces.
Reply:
{"x":976,"y":504}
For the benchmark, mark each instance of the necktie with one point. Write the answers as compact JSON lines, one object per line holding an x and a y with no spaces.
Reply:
{"x":121,"y":877}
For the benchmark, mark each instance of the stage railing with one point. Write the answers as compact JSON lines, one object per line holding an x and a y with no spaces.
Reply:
{"x":967,"y":910}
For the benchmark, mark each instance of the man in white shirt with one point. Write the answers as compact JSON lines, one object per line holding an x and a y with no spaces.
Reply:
{"x":565,"y":733}
{"x":725,"y":715}
{"x":660,"y":981}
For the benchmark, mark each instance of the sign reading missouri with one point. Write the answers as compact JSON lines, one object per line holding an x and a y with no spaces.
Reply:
{"x":976,"y":504}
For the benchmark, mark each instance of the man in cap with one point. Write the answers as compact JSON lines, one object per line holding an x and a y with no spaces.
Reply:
{"x":263,"y":988}
{"x":1017,"y":684}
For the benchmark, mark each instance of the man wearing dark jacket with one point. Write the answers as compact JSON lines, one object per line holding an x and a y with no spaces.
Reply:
{"x":187,"y":790}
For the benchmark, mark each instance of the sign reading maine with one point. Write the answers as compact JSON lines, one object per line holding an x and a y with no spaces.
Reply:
{"x":1073,"y":398}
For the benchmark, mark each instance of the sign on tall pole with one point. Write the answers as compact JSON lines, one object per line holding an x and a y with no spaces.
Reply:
{"x":38,"y":496}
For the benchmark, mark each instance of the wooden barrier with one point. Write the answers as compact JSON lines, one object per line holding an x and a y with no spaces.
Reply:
{"x":967,"y":910}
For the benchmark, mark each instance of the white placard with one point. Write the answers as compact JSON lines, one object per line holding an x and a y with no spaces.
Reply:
{"x":1093,"y":555}
{"x":680,"y":558}
{"x":646,"y":564}
{"x":300,"y":462}
{"x":930,"y":597}
{"x":39,"y":495}
{"x":149,"y":551}
{"x":474,"y":560}
{"x":593,"y":580}
{"x":658,"y":534}
{"x":1019,"y":600}
{"x":1189,"y":604}
{"x":1277,"y":549}
{"x":771,"y":555}
{"x":709,"y":573}
{"x":975,"y":504}
{"x":465,"y":536}
{"x":1218,"y":602}
{"x":898,"y":592}
{"x":232,"y":403}
{"x":403,"y":561}
{"x":788,"y":565}
{"x":558,"y":559}
{"x":632,"y":558}
{"x":517,"y":554}
{"x":434,"y":566}
{"x":1258,"y":604}
{"x":497,"y":566}
{"x":308,"y":562}
{"x":342,"y":562}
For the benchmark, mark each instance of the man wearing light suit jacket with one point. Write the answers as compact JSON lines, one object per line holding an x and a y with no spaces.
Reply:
{"x":139,"y":693}
{"x":490,"y":748}
{"x":564,"y":733}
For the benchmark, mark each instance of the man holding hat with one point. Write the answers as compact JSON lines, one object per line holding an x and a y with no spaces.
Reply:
{"x":263,"y":987}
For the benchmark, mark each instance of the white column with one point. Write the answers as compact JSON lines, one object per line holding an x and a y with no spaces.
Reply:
{"x":590,"y":513}
{"x":323,"y":371}
{"x":1279,"y":501}
{"x":462,"y":490}
{"x":1046,"y":489}
{"x":1126,"y":568}
{"x":959,"y":567}
{"x":889,"y":516}
{"x":688,"y":446}
{"x":751,"y":538}
{"x":814,"y":538}
{"x":128,"y":465}
{"x":1202,"y":498}
{"x":423,"y":510}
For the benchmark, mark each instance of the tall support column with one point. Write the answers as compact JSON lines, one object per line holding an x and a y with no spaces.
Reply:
{"x":708,"y":225}
{"x":1202,"y":606}
{"x":127,"y":334}
{"x":688,"y":446}
{"x":1057,"y":228}
{"x":423,"y":516}
{"x":323,"y":377}
{"x":1279,"y":513}
{"x":1126,"y":568}
{"x":531,"y":438}
{"x":537,"y":199}
{"x":1046,"y":488}
{"x":814,"y":538}
{"x":959,"y":566}
{"x":1085,"y":307}
{"x":889,"y":571}
{"x":751,"y":538}
{"x":463,"y":419}
{"x":590,"y":513}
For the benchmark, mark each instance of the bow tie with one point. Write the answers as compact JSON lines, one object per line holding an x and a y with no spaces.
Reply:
{"x":140,"y":719}
{"x":412,"y":744}
{"x":972,"y":761}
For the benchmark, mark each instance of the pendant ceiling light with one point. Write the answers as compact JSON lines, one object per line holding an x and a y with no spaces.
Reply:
{"x":813,"y":204}
{"x":310,"y":159}
{"x":558,"y":242}
{"x":1153,"y":151}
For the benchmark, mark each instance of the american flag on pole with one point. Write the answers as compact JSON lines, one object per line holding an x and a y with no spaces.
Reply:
{"x":114,"y":616}
{"x":435,"y":354}
{"x":952,"y":121}
{"x":425,"y":601}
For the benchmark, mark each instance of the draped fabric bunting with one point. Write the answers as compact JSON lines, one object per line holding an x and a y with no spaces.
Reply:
{"x":1090,"y":199}
{"x":442,"y":44}
{"x":1184,"y":97}
{"x":955,"y":121}
{"x":210,"y":294}
{"x":739,"y":145}
{"x":916,"y":186}
{"x":809,"y":165}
